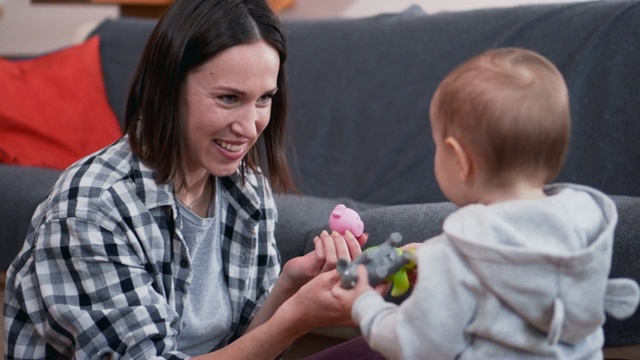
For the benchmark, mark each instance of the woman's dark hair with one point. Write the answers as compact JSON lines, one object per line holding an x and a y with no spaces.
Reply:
{"x":189,"y":34}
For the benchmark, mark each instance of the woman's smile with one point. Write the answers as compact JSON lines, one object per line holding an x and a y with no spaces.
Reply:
{"x":232,"y":151}
{"x":234,"y":148}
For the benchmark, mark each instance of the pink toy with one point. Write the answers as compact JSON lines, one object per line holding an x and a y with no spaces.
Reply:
{"x":343,"y":218}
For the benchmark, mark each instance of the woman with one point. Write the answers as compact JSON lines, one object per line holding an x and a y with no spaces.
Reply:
{"x":162,"y":244}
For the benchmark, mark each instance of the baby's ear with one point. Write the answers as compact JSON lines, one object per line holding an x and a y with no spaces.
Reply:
{"x":464,"y":162}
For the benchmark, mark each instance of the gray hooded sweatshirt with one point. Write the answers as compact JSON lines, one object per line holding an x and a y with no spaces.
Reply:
{"x":516,"y":279}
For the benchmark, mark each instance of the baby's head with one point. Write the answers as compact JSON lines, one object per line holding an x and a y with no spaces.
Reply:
{"x":509,"y":110}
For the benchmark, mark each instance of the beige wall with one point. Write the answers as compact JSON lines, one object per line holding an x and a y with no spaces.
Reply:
{"x":27,"y":28}
{"x":358,"y":8}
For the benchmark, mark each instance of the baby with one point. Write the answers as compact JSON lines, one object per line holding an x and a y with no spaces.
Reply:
{"x":521,"y":269}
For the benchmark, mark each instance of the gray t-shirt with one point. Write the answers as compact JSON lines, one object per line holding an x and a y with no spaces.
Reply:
{"x":206,"y":319}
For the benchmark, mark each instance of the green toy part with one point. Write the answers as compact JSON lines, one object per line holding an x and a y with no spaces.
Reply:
{"x":400,"y":280}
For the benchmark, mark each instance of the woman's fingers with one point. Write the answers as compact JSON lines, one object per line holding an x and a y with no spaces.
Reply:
{"x":334,"y":246}
{"x":362,"y":239}
{"x":355,"y":244}
{"x":344,"y":244}
{"x":330,"y":251}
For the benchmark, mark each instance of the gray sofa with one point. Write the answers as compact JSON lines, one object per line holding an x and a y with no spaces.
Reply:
{"x":360,"y":92}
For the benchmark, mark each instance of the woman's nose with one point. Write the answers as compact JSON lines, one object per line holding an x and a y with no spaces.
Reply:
{"x":245,"y":124}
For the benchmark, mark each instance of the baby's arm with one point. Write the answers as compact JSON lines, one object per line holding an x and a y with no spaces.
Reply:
{"x":432,"y":320}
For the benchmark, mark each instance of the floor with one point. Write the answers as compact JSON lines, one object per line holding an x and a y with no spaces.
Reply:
{"x":308,"y":345}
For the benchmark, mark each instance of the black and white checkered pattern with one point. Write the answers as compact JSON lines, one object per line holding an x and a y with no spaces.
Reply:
{"x":104,"y":269}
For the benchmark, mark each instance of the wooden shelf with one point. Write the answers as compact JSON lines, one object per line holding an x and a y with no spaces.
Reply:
{"x":138,"y":8}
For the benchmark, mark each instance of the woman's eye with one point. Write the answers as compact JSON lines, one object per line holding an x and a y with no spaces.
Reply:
{"x":228,"y":99}
{"x":265,"y":99}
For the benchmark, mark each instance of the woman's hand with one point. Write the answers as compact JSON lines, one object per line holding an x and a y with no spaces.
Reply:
{"x":278,"y":323}
{"x":314,"y":306}
{"x":328,"y":249}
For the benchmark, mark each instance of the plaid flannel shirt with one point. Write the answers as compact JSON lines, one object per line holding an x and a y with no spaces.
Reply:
{"x":104,"y":269}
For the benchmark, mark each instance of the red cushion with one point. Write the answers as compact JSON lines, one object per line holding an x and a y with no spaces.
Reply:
{"x":54,"y":108}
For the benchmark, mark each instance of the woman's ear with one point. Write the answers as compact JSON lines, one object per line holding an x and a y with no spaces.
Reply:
{"x":462,"y":158}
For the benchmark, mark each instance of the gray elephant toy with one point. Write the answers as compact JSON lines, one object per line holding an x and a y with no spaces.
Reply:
{"x":385,"y":262}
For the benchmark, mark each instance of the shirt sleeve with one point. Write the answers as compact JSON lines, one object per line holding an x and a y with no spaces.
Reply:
{"x":431,"y":322}
{"x":98,"y":295}
{"x":273,"y":264}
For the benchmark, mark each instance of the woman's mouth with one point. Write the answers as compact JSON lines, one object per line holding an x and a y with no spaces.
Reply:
{"x":230,"y":147}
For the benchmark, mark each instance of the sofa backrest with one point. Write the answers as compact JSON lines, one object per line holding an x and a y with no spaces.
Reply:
{"x":360,"y":91}
{"x":122,"y":42}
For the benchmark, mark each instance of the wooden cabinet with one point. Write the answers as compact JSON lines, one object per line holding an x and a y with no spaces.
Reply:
{"x":149,"y":8}
{"x":138,"y":8}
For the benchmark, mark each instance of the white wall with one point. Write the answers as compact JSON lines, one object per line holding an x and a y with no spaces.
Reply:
{"x":358,"y":8}
{"x":27,"y":28}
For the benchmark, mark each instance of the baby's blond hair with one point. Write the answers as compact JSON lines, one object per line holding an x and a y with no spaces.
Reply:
{"x":510,"y":107}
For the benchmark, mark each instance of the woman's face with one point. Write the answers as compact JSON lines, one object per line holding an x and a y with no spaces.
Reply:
{"x":226,"y":104}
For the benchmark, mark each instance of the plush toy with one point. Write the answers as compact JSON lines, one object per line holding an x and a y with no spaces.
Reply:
{"x":385,"y":262}
{"x":343,"y":218}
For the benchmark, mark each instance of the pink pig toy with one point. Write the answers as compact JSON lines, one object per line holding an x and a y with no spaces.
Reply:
{"x":343,"y":218}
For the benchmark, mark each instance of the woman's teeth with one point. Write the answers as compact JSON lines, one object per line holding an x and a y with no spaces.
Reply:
{"x":229,"y":147}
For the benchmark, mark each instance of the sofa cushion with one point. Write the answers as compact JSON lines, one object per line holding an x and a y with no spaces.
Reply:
{"x":22,"y":189}
{"x":361,"y":88}
{"x":301,"y":218}
{"x":121,"y":46}
{"x":342,"y":69}
{"x":54,"y":109}
{"x":624,"y":263}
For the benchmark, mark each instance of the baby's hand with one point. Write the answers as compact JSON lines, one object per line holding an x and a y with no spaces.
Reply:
{"x":412,"y":273}
{"x":346,"y":297}
{"x":411,"y":246}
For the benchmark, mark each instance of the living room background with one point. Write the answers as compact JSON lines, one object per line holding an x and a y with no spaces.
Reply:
{"x":29,"y":29}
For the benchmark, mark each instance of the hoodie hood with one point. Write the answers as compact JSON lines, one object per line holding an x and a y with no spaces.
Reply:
{"x":547,"y":259}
